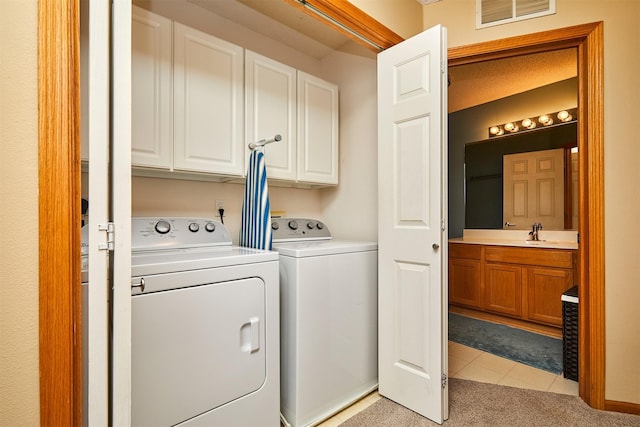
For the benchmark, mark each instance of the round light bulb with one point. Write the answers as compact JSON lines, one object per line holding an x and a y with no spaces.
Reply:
{"x":510,"y":127}
{"x":494,"y":130}
{"x":564,"y":116}
{"x":528,"y":123}
{"x":545,"y":120}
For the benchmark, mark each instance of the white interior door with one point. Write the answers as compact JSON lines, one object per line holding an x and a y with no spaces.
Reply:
{"x":94,"y":42}
{"x":533,"y":188}
{"x":121,"y":213}
{"x":412,"y":123}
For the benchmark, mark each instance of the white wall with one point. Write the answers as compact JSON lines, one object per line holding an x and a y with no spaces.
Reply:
{"x":172,"y":197}
{"x":19,"y":381}
{"x":351,"y":208}
{"x":401,"y":16}
{"x":621,"y":159}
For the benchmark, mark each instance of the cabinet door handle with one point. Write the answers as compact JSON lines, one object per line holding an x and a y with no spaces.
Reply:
{"x":435,"y":246}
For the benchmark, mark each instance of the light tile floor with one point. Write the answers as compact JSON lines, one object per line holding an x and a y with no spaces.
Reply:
{"x":471,"y":364}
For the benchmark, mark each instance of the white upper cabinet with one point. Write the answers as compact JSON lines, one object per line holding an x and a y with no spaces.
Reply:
{"x":270,"y":89}
{"x":317,"y":130}
{"x":151,"y":97}
{"x":208,"y":103}
{"x":198,"y":101}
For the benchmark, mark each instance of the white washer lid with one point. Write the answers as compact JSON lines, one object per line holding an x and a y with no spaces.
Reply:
{"x":322,"y":247}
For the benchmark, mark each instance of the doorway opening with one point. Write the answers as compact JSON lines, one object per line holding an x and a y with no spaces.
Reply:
{"x":480,"y":198}
{"x":587,"y":39}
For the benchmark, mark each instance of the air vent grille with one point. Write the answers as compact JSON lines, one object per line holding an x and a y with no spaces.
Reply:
{"x":495,"y":12}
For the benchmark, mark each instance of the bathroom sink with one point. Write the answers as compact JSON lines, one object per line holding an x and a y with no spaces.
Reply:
{"x":539,"y":242}
{"x":535,"y":242}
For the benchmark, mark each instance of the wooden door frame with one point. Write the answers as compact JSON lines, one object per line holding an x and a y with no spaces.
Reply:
{"x":60,"y":345}
{"x":59,"y":210}
{"x":587,"y":39}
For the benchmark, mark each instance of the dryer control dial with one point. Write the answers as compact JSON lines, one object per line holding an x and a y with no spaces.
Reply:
{"x":194,"y":226}
{"x":210,"y":227}
{"x":310,"y":225}
{"x":293,"y":225}
{"x":163,"y":227}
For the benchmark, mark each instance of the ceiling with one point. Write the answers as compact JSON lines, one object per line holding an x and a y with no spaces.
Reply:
{"x":470,"y":85}
{"x":284,"y":23}
{"x":476,"y":84}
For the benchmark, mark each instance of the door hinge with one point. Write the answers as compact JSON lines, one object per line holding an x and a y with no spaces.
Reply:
{"x":109,"y":228}
{"x":444,"y":380}
{"x":442,"y":224}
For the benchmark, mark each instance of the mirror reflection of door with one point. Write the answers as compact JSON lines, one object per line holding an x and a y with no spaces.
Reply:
{"x":533,"y":189}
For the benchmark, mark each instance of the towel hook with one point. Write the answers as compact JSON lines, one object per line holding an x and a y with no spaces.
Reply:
{"x":263,"y":142}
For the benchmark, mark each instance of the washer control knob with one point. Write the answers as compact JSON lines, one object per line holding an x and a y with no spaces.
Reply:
{"x":320,"y":226}
{"x":194,"y":227}
{"x":163,"y":227}
{"x":310,"y":225}
{"x":210,"y":227}
{"x":293,"y":225}
{"x":275,"y":225}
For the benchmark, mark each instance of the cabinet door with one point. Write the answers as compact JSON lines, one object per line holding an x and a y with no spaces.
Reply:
{"x":208,"y":106}
{"x":317,"y":130}
{"x":544,"y":290}
{"x":270,"y":89}
{"x":464,"y":282}
{"x":503,"y":289}
{"x":151,"y":97}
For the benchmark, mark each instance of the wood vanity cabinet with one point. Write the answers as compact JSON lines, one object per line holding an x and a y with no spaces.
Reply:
{"x":521,"y":283}
{"x":464,"y":275}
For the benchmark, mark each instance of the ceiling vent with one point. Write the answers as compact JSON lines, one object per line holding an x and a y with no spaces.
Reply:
{"x":496,"y":12}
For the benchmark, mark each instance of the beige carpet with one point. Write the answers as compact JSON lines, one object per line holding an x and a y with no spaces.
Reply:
{"x":477,"y":404}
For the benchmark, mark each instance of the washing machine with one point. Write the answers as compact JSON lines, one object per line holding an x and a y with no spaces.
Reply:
{"x":204,"y":327}
{"x":328,"y":320}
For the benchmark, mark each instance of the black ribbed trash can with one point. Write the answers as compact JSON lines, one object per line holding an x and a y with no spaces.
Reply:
{"x":570,"y":333}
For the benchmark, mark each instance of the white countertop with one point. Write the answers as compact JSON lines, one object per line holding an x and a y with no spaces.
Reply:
{"x":521,"y":238}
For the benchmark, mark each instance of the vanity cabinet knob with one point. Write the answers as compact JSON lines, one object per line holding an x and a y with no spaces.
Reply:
{"x":435,"y":246}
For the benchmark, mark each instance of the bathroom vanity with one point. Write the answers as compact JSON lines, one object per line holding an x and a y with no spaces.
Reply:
{"x":510,"y":279}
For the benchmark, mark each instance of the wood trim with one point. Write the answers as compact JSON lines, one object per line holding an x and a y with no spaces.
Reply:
{"x":353,"y":18}
{"x":588,"y":40}
{"x":591,"y":293}
{"x":626,"y":407}
{"x":569,"y":37}
{"x":60,"y":299}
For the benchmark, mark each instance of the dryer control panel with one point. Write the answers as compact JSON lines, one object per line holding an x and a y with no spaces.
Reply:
{"x":148,"y":233}
{"x":288,"y":229}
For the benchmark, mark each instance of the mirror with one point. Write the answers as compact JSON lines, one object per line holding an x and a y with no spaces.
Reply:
{"x":484,"y":178}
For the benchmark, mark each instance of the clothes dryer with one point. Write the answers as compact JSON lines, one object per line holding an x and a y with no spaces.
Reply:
{"x":204,"y":327}
{"x":328,"y":321}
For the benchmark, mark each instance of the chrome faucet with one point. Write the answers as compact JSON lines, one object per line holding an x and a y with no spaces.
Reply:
{"x":534,"y":233}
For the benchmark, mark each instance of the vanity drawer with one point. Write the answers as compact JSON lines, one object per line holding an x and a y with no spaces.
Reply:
{"x":465,"y":251}
{"x":531,"y":256}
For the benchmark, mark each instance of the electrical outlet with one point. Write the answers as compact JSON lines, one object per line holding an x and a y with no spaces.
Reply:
{"x":219,"y":204}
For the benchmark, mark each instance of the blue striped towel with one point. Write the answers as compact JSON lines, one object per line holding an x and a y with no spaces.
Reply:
{"x":256,"y":217}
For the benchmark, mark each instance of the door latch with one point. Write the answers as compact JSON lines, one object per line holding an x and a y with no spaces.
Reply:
{"x":109,"y":228}
{"x":444,"y":380}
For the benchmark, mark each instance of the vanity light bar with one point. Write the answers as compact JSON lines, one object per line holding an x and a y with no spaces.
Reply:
{"x":530,"y":123}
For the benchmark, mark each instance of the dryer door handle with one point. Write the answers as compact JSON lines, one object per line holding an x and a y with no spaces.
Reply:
{"x":250,"y":336}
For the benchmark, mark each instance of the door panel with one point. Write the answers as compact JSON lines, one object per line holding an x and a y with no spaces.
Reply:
{"x":412,"y":202}
{"x":534,"y":189}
